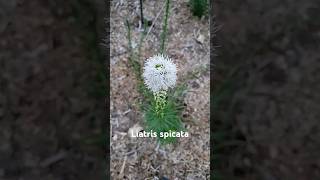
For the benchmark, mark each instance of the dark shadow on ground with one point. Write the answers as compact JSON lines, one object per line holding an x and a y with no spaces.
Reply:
{"x":267,"y":102}
{"x":51,"y":90}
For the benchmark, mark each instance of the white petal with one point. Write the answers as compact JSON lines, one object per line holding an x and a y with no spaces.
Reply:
{"x":159,"y":78}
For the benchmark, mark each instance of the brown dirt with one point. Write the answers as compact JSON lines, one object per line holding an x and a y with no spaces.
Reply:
{"x":47,"y":107}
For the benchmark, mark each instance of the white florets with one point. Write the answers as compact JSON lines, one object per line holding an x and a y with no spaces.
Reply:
{"x":160,"y":73}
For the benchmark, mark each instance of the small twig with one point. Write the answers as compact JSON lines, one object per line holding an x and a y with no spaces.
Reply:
{"x":53,"y":159}
{"x":123,"y":165}
{"x":126,"y":112}
{"x":133,"y":151}
{"x":155,"y":169}
{"x":155,"y":19}
{"x":157,"y":147}
{"x":120,"y":133}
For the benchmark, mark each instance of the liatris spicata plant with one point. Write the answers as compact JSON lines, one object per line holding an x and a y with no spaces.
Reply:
{"x":160,"y":74}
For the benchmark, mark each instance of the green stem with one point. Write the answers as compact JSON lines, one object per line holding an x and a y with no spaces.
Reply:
{"x":165,"y":27}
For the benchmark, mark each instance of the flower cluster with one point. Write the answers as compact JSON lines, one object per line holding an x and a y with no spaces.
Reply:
{"x":160,"y":73}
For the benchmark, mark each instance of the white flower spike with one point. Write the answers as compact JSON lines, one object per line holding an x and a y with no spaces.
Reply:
{"x":160,"y":73}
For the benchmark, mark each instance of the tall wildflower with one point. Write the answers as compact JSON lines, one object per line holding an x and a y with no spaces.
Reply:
{"x":160,"y":74}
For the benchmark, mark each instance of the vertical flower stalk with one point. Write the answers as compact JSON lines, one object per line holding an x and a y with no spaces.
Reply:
{"x":160,"y":74}
{"x":160,"y":99}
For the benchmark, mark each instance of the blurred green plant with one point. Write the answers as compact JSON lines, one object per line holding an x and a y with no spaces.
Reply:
{"x":85,"y":20}
{"x":198,"y":7}
{"x":226,"y":136}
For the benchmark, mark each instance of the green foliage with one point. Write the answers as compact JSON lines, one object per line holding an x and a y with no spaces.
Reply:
{"x":171,"y":113}
{"x":169,"y":120}
{"x":198,"y":7}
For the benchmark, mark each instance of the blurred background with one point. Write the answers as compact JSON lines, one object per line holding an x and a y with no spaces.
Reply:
{"x":52,"y":90}
{"x":266,"y":97}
